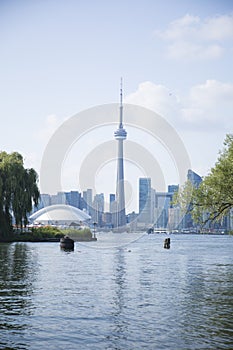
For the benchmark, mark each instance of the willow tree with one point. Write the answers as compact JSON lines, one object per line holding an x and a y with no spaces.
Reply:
{"x":18,"y":192}
{"x":213,"y":199}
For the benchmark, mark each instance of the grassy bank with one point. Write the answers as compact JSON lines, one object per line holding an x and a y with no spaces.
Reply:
{"x":51,"y":234}
{"x":79,"y":235}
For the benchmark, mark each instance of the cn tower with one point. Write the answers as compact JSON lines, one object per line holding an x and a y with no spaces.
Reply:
{"x":120,"y":135}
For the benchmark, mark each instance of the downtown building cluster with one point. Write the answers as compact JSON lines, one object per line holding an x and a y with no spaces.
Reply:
{"x":156,"y":209}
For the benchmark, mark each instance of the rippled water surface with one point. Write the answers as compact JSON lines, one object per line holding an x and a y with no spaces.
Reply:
{"x":106,"y":296}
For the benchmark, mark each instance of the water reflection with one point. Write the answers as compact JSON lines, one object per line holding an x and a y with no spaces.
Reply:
{"x":204,"y":304}
{"x":119,"y":328}
{"x":16,"y":277}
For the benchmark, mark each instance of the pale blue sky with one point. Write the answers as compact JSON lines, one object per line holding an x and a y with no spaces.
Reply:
{"x":61,"y":57}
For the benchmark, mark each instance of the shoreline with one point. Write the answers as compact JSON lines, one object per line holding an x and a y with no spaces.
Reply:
{"x":45,"y":240}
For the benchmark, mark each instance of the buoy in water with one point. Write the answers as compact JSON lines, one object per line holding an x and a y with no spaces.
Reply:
{"x":167,"y":243}
{"x":66,"y":243}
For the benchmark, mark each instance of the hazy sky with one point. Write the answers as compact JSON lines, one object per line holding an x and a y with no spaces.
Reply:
{"x":59,"y":58}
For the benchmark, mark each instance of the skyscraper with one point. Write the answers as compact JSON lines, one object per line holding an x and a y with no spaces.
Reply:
{"x":112,"y":198}
{"x":145,"y":212}
{"x":98,"y":208}
{"x":120,"y":135}
{"x":87,"y":196}
{"x":194,"y":178}
{"x":73,"y":198}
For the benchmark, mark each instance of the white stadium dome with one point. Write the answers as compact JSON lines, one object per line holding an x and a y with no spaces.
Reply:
{"x":59,"y":214}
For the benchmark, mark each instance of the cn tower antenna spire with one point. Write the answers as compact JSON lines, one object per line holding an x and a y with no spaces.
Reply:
{"x":121,"y":104}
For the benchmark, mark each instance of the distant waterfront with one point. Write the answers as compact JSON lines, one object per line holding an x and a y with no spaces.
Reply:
{"x":107,"y":295}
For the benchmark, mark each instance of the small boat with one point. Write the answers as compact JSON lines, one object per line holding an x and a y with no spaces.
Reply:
{"x":150,"y":230}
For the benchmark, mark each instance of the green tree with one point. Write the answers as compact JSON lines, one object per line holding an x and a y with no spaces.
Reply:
{"x":18,"y":192}
{"x":213,"y":199}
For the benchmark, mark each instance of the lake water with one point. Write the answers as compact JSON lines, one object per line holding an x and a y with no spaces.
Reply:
{"x":105,"y":295}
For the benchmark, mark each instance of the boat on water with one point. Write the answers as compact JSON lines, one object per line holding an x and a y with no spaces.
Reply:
{"x":150,"y":230}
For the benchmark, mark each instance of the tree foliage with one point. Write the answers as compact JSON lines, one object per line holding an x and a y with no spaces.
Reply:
{"x":213,"y":199}
{"x":18,"y":191}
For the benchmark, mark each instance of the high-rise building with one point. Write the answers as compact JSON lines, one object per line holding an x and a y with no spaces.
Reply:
{"x":120,"y":135}
{"x":59,"y":198}
{"x":175,"y":218}
{"x":163,"y":202}
{"x":112,"y":198}
{"x":73,"y":198}
{"x":145,"y":210}
{"x":107,"y":220}
{"x":175,"y":215}
{"x":173,"y":188}
{"x":87,"y":196}
{"x":160,"y":218}
{"x":45,"y":201}
{"x":194,"y":178}
{"x":98,"y":208}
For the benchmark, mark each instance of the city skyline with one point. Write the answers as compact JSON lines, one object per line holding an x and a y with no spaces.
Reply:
{"x":57,"y":61}
{"x":89,"y":196}
{"x":110,"y":196}
{"x":156,"y":209}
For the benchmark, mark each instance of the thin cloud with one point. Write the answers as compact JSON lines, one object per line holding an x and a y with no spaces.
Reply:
{"x":194,"y":51}
{"x":205,"y":106}
{"x":191,"y":38}
{"x":210,"y":104}
{"x":218,"y":28}
{"x":155,"y":97}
